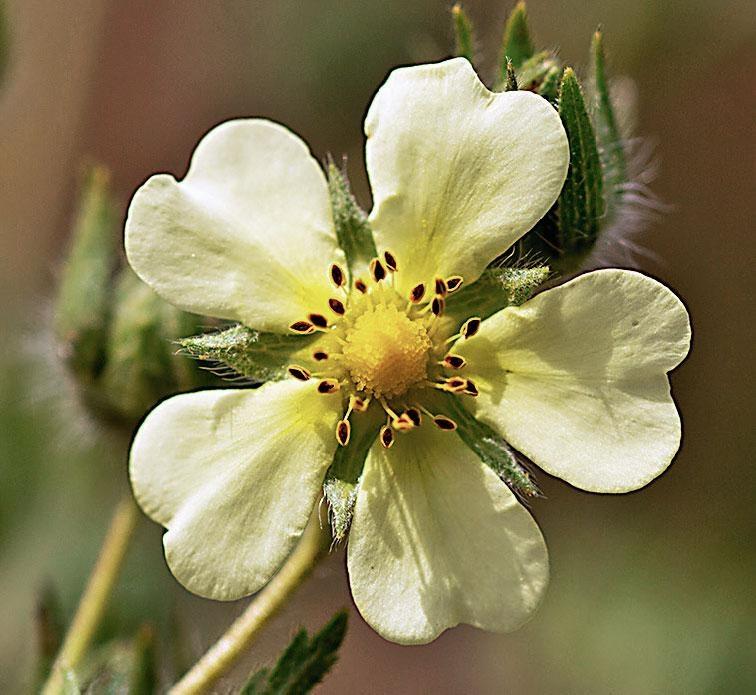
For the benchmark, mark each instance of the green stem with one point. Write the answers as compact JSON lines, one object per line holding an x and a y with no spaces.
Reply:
{"x":95,"y":598}
{"x":224,"y":653}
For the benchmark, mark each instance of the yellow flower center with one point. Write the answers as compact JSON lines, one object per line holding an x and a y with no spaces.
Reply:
{"x":386,"y":352}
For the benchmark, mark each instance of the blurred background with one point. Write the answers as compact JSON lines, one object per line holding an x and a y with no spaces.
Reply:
{"x":651,"y":592}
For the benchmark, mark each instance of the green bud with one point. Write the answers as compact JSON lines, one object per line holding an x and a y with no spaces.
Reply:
{"x":246,"y":352}
{"x":541,"y":74}
{"x":581,"y":202}
{"x":510,"y":82}
{"x":496,"y":289}
{"x":352,"y":228}
{"x":82,"y":309}
{"x":516,"y":45}
{"x":464,"y":41}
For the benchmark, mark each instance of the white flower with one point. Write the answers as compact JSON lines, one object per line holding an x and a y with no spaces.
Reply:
{"x":575,"y":378}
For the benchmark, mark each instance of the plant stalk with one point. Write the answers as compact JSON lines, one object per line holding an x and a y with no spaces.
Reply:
{"x":243,"y":631}
{"x":95,"y":598}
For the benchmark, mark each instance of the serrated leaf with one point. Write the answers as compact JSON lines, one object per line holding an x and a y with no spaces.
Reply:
{"x":464,"y":42}
{"x":612,"y":151}
{"x":581,"y":202}
{"x":83,"y":304}
{"x":491,"y":448}
{"x":494,"y":290}
{"x":343,"y":477}
{"x":304,"y":663}
{"x":516,"y":44}
{"x":249,"y":353}
{"x":540,"y":73}
{"x":352,"y":228}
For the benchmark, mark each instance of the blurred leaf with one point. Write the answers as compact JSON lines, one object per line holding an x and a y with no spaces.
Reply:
{"x":304,"y":663}
{"x":517,"y":44}
{"x":82,"y":308}
{"x":4,"y":42}
{"x":612,"y":151}
{"x":495,"y":289}
{"x":581,"y":203}
{"x":540,"y":74}
{"x":491,"y":448}
{"x":342,"y":479}
{"x":352,"y":229}
{"x":249,"y":353}
{"x":464,"y":42}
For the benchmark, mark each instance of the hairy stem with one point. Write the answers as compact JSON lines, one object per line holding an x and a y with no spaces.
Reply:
{"x":96,"y":595}
{"x":243,"y":631}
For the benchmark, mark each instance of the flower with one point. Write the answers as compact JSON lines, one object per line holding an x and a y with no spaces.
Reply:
{"x":575,"y":378}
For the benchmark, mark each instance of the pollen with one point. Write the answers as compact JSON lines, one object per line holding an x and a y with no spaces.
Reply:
{"x":386,"y":352}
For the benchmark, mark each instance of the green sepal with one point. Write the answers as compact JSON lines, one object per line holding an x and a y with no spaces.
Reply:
{"x":611,"y":151}
{"x":82,"y":308}
{"x":496,"y":289}
{"x":516,"y":44}
{"x":353,"y":231}
{"x":464,"y":37}
{"x":141,"y":366}
{"x":510,"y":79}
{"x":581,"y":202}
{"x":342,"y":481}
{"x":491,"y":448}
{"x":246,"y":352}
{"x":540,"y":74}
{"x":303,"y":664}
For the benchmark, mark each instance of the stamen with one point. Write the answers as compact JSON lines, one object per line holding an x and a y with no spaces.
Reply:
{"x":387,"y":437}
{"x":390,"y":261}
{"x":417,"y":293}
{"x":343,"y":432}
{"x":377,"y":270}
{"x":338,"y":277}
{"x":302,"y":327}
{"x":444,"y":423}
{"x":454,"y":361}
{"x":455,"y":384}
{"x":337,"y":306}
{"x":403,"y":423}
{"x":299,"y":372}
{"x":319,"y":356}
{"x":388,"y":409}
{"x":318,"y":320}
{"x":470,"y":327}
{"x":414,"y":415}
{"x":360,"y":286}
{"x":329,"y":385}
{"x":441,"y":287}
{"x":472,"y":389}
{"x":359,"y":405}
{"x":453,"y":283}
{"x":438,"y":305}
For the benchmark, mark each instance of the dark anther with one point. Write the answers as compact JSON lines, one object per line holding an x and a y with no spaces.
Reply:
{"x":456,"y":383}
{"x":441,"y":288}
{"x":337,"y":306}
{"x":454,"y":361}
{"x":472,"y":389}
{"x":414,"y":415}
{"x":377,"y":270}
{"x":390,"y":261}
{"x":337,"y":275}
{"x":343,"y":430}
{"x":387,"y":436}
{"x":444,"y":423}
{"x":438,"y":305}
{"x":360,"y":286}
{"x":299,"y":372}
{"x":328,"y":386}
{"x":417,"y":293}
{"x":453,"y":283}
{"x":470,"y":327}
{"x":319,"y":356}
{"x":319,"y":320}
{"x":302,"y":327}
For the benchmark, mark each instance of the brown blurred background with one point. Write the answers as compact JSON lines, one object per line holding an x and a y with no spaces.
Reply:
{"x":652,"y":592}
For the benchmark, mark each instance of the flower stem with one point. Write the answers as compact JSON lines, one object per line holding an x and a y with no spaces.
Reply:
{"x":224,"y":653}
{"x":95,"y":598}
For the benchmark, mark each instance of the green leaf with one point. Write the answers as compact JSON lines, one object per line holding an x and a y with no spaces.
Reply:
{"x":304,"y":663}
{"x":352,"y":228}
{"x":247,"y":352}
{"x":612,"y":151}
{"x":464,"y":42}
{"x":540,"y":74}
{"x":517,"y":44}
{"x":491,"y":448}
{"x":343,"y":477}
{"x":83,"y":304}
{"x":581,"y":203}
{"x":494,"y":290}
